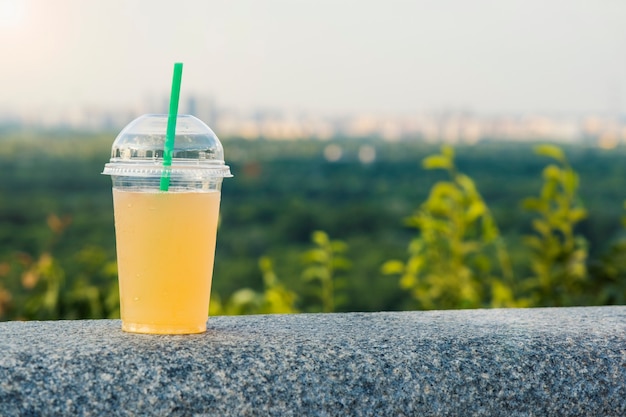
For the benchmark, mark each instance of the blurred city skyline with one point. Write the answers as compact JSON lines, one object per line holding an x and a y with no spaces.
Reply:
{"x":451,"y":126}
{"x":327,"y":58}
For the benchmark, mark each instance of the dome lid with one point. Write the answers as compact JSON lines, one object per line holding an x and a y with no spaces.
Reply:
{"x":139,"y":147}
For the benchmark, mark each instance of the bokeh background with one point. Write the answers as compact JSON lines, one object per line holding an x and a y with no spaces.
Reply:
{"x":333,"y":115}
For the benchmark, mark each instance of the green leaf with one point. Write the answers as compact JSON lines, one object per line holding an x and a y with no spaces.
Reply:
{"x":467,"y":184}
{"x":407,"y":281}
{"x":437,"y":162}
{"x":490,"y":230}
{"x":414,"y":222}
{"x":315,"y":255}
{"x":549,"y":190}
{"x":570,"y":181}
{"x":447,"y":151}
{"x":416,"y":246}
{"x":475,"y":210}
{"x":320,"y":238}
{"x":552,"y":173}
{"x":415,"y":264}
{"x":266,"y":264}
{"x":392,"y":267}
{"x":442,"y":190}
{"x":244,"y":296}
{"x":577,"y":214}
{"x":542,"y":227}
{"x":502,"y":294}
{"x":215,"y":306}
{"x":550,"y":151}
{"x":315,"y":272}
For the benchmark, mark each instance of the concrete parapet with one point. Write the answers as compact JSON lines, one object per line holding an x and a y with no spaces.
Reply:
{"x":511,"y":362}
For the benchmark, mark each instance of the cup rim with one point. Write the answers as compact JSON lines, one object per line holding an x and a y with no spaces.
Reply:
{"x":178,"y":169}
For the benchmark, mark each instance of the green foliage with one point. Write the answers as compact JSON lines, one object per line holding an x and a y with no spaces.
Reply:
{"x":558,"y":255}
{"x":322,"y":263}
{"x":275,"y":298}
{"x":96,"y":281}
{"x":608,"y":276}
{"x":608,"y":273}
{"x":282,"y":192}
{"x":39,"y":288}
{"x":451,"y":260}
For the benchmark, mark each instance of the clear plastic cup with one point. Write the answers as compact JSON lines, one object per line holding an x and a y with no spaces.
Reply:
{"x":166,"y":239}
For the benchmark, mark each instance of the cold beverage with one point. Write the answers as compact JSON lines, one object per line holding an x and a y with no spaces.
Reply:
{"x":166,"y":222}
{"x":165,"y":254}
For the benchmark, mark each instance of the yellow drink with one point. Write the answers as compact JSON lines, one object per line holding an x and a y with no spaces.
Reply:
{"x":165,"y":254}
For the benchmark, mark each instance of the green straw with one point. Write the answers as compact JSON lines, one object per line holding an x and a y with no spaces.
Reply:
{"x":171,"y":126}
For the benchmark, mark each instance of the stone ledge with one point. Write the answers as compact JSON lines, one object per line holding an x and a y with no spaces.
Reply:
{"x":534,"y":362}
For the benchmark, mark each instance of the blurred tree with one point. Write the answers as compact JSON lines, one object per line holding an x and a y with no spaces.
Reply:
{"x":5,"y":295}
{"x":451,"y":261}
{"x":275,"y":298}
{"x":322,"y":263}
{"x":608,"y":273}
{"x":558,"y":255}
{"x":95,"y":290}
{"x":278,"y":204}
{"x":42,"y":289}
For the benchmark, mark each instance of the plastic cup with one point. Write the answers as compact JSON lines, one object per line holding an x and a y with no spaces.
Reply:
{"x":166,"y":239}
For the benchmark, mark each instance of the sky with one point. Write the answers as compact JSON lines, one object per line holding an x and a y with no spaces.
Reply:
{"x":326,"y":56}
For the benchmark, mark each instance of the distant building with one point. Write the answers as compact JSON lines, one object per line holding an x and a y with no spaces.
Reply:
{"x":447,"y":127}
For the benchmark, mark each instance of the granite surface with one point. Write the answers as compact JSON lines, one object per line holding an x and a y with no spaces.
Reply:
{"x":535,"y":362}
